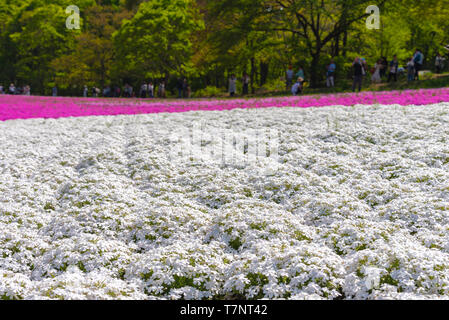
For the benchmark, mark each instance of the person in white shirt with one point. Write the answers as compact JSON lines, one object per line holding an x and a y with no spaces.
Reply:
{"x":232,"y":85}
{"x":143,"y":90}
{"x":376,"y":75}
{"x":150,"y":90}
{"x":12,"y":89}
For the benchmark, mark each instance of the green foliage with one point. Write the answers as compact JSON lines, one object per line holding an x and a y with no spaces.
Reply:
{"x":156,"y":42}
{"x":209,"y":91}
{"x":235,"y":243}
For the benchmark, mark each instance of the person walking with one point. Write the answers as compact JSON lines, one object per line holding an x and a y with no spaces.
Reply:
{"x":359,"y":72}
{"x":439,"y":63}
{"x":54,"y":91}
{"x":185,"y":87}
{"x":394,"y":65}
{"x":289,"y":77}
{"x":85,"y":91}
{"x":376,"y":75}
{"x":418,"y":59}
{"x":27,"y":90}
{"x":232,"y":85}
{"x":161,"y":89}
{"x":126,"y":91}
{"x":300,"y":73}
{"x":12,"y":89}
{"x":330,"y":74}
{"x":150,"y":90}
{"x":143,"y":90}
{"x":179,"y":84}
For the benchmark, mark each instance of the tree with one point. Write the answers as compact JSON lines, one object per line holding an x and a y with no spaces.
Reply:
{"x":316,"y":23}
{"x":156,"y":42}
{"x":91,"y":61}
{"x":36,"y":34}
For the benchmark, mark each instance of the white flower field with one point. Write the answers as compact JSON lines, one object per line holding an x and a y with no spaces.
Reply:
{"x":357,"y":207}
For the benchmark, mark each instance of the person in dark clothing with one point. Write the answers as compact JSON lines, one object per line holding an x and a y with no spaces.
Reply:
{"x":179,"y":85}
{"x":185,"y":87}
{"x":359,"y":72}
{"x":393,"y":69}
{"x":297,"y":87}
{"x":418,"y":59}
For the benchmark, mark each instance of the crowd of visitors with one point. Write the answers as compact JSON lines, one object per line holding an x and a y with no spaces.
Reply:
{"x":294,"y":80}
{"x":12,"y":89}
{"x":412,"y":68}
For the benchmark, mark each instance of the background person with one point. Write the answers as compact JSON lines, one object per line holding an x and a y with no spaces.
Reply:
{"x":330,"y":74}
{"x":12,"y":89}
{"x":143,"y":90}
{"x":300,"y":73}
{"x":439,"y":63}
{"x":297,"y":87}
{"x":358,"y":69}
{"x":394,"y":65}
{"x":179,"y":87}
{"x":161,"y":89}
{"x":232,"y":85}
{"x":289,"y":77}
{"x":150,"y":90}
{"x":185,"y":87}
{"x":376,"y":75}
{"x":418,"y":59}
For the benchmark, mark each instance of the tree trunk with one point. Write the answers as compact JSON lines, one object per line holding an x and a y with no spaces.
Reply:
{"x":252,"y":75}
{"x":337,"y":47}
{"x":314,"y":70}
{"x":263,"y":73}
